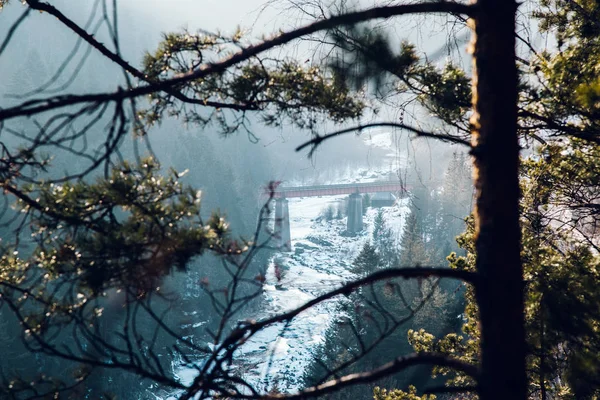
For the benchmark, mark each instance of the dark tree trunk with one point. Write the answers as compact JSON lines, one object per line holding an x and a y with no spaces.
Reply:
{"x":496,"y":152}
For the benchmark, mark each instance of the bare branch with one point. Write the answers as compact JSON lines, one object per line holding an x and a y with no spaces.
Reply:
{"x":246,"y":330}
{"x":348,"y":288}
{"x":12,"y":30}
{"x":318,"y":139}
{"x":114,"y":57}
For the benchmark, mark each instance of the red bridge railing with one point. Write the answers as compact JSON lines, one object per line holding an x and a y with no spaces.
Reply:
{"x":346,"y":188}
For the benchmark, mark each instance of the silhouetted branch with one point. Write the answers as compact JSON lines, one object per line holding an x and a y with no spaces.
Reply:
{"x":348,"y":288}
{"x":114,"y":57}
{"x":399,"y":364}
{"x":365,"y":350}
{"x":223,"y":353}
{"x":318,"y":139}
{"x":563,"y":128}
{"x":12,"y":30}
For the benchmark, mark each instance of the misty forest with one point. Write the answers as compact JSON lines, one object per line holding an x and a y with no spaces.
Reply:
{"x":295,"y":199}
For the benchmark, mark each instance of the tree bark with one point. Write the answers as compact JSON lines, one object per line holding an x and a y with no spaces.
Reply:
{"x":496,"y":157}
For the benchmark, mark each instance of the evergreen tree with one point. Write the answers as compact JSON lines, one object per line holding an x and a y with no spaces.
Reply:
{"x":455,"y":204}
{"x":561,"y":300}
{"x":378,"y":226}
{"x":413,"y":251}
{"x":384,"y":241}
{"x":133,"y":226}
{"x":367,"y":261}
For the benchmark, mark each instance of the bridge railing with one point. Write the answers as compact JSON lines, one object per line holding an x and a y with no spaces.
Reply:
{"x":345,"y":188}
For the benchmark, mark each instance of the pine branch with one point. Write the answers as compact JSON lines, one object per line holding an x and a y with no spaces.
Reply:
{"x":47,"y":104}
{"x":561,"y":128}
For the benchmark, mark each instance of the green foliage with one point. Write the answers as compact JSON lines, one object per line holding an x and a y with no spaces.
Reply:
{"x":446,"y":93}
{"x":562,"y":297}
{"x":366,"y":55}
{"x":559,"y":98}
{"x":126,"y":230}
{"x":95,"y":250}
{"x":375,"y":321}
{"x":370,"y":331}
{"x":132,"y":227}
{"x":571,"y":21}
{"x":291,"y":89}
{"x":13,"y":269}
{"x":280,"y":90}
{"x":567,"y":95}
{"x":396,"y":394}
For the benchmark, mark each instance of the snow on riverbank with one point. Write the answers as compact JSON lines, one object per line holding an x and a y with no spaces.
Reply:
{"x":320,"y":261}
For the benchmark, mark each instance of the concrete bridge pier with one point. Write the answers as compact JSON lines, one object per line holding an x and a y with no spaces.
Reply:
{"x":282,"y":225}
{"x":355,"y":221}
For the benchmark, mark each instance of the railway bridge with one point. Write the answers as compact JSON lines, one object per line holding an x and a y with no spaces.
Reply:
{"x":354,"y":190}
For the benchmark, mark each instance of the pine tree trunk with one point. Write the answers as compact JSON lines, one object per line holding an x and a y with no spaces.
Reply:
{"x":496,"y":158}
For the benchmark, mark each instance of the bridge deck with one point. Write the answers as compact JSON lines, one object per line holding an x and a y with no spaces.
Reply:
{"x":346,"y":188}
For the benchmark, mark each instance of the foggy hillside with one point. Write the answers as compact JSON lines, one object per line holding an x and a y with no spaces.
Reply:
{"x":232,"y":172}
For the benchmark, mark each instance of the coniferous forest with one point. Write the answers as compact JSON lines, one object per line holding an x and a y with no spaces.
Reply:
{"x":300,"y":199}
